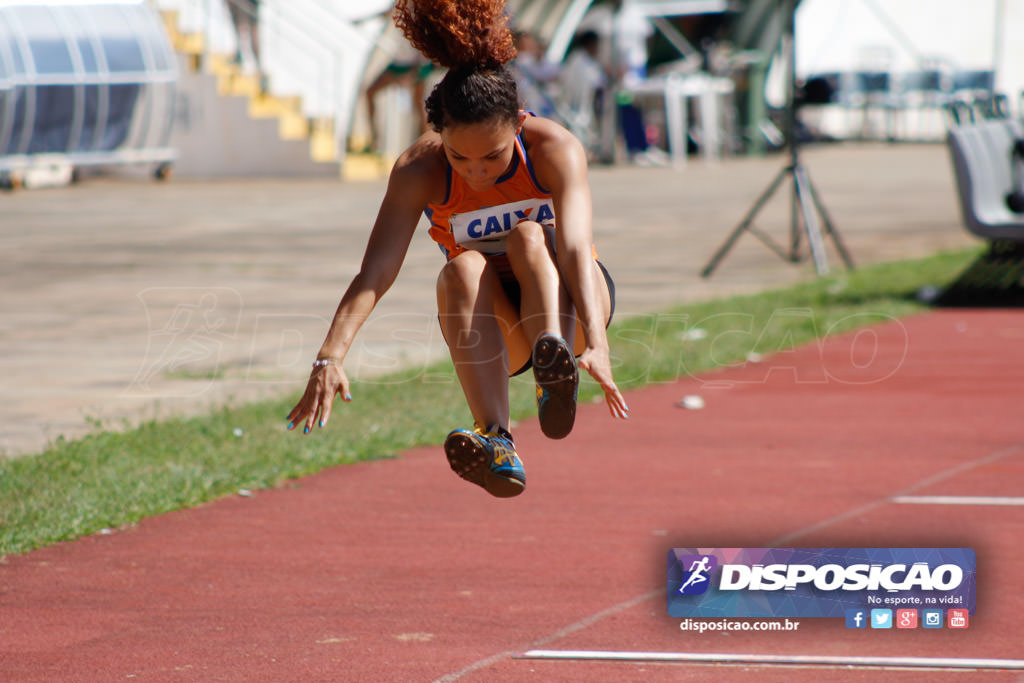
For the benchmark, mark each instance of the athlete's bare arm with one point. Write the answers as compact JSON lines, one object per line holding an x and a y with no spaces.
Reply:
{"x":413,"y":183}
{"x":560,"y":163}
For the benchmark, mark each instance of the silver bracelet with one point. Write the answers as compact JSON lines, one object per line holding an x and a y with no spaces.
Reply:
{"x":323,"y":362}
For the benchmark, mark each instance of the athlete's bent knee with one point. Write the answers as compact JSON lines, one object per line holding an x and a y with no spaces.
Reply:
{"x":527,"y":237}
{"x":461,"y":273}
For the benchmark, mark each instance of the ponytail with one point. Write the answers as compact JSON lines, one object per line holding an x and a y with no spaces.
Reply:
{"x":472,"y":39}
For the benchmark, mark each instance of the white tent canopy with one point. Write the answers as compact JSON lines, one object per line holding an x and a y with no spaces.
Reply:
{"x":842,"y":35}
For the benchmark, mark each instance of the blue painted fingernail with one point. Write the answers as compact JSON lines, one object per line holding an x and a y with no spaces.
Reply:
{"x":306,"y":430}
{"x":291,"y":425}
{"x":348,"y":397}
{"x":321,"y":423}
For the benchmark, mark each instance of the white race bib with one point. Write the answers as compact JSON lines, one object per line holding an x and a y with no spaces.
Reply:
{"x":487,"y":229}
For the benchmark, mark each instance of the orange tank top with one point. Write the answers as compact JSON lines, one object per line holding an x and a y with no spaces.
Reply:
{"x":481,"y":221}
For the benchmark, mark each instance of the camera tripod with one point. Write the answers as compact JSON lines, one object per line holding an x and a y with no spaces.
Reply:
{"x":806,"y":202}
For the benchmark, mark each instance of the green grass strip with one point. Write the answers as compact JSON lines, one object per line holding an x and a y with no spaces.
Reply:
{"x":115,"y":478}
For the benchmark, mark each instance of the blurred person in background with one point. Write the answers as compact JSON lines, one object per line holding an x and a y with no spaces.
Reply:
{"x":407,"y":69}
{"x":245,"y":18}
{"x":630,"y":32}
{"x":583,"y":83}
{"x":536,"y":76}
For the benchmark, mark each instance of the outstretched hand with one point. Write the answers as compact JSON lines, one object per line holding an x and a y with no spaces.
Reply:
{"x":325,"y":382}
{"x":598,"y":363}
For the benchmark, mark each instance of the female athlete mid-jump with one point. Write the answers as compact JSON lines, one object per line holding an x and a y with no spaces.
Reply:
{"x":508,"y":201}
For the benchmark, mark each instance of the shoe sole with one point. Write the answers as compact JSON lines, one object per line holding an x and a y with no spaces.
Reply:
{"x":469,"y":460}
{"x":555,"y":370}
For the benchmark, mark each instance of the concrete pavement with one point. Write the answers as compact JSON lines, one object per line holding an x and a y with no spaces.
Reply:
{"x":122,"y":299}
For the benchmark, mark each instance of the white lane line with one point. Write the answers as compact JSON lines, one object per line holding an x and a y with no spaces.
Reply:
{"x":560,"y":633}
{"x":812,"y":660}
{"x":924,"y":483}
{"x":958,"y":500}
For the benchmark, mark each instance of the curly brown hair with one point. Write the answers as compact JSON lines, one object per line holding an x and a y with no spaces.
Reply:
{"x":457,"y":33}
{"x":472,"y":39}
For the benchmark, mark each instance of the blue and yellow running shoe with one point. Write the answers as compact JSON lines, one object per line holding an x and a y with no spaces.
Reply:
{"x":487,"y":458}
{"x":558,"y":382}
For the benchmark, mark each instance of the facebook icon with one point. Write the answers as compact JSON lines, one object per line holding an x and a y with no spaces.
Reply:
{"x":856,"y":618}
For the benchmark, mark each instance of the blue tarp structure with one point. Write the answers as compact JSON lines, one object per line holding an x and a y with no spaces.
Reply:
{"x":91,"y":81}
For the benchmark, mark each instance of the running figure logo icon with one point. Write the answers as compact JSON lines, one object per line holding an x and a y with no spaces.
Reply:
{"x":696,"y":578}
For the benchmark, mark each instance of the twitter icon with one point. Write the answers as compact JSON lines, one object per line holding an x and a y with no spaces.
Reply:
{"x":881,"y":618}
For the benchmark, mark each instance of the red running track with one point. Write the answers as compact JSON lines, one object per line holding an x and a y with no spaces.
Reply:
{"x":398,"y":570}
